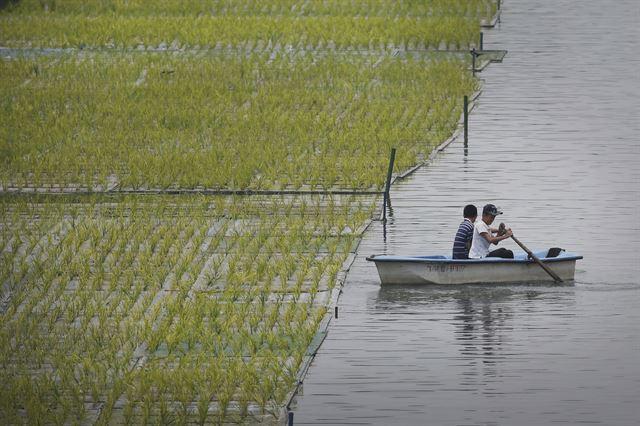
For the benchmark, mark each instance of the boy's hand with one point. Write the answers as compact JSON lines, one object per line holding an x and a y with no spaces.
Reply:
{"x":502,"y":229}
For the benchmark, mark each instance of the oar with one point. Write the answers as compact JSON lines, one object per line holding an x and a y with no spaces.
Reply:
{"x":538,"y":261}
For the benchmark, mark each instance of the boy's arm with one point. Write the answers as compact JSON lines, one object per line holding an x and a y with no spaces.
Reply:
{"x":495,"y":239}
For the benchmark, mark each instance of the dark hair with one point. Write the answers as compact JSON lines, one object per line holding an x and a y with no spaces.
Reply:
{"x":470,"y":210}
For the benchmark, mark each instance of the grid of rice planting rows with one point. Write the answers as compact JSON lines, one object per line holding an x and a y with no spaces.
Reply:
{"x":156,"y":311}
{"x":199,"y":309}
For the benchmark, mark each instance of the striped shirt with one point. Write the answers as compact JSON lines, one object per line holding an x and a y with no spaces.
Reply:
{"x":463,"y":239}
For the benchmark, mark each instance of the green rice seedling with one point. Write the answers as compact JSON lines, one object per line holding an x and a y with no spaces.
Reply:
{"x":147,"y":408}
{"x":303,"y":159}
{"x":184,"y":393}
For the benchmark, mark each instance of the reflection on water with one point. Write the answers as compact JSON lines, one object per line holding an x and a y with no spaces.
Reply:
{"x":478,"y":331}
{"x":553,"y":141}
{"x":479,"y":317}
{"x":482,"y":315}
{"x":388,"y":219}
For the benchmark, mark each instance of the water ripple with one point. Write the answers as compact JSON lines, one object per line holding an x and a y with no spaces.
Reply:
{"x":553,"y":141}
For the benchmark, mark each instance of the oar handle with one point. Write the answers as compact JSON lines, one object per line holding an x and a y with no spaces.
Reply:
{"x":537,"y":260}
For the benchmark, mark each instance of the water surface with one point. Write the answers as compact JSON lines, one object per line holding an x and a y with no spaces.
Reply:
{"x":554,"y":142}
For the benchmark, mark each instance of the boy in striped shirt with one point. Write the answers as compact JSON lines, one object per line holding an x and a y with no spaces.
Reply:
{"x":462,"y":242}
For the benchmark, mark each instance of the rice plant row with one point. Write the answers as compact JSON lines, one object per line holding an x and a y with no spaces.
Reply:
{"x":364,"y":8}
{"x":261,"y":121}
{"x":209,"y":31}
{"x":159,"y":312}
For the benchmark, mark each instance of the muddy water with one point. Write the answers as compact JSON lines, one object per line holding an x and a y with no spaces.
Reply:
{"x":554,"y":142}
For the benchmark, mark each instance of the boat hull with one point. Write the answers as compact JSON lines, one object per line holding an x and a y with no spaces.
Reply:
{"x":443,"y":270}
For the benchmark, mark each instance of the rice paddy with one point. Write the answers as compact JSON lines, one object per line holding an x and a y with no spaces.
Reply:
{"x":432,"y":24}
{"x":162,"y":311}
{"x":161,"y":121}
{"x":200,"y":309}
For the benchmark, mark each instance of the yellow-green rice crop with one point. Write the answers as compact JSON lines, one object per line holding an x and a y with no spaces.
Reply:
{"x":225,"y":122}
{"x":120,"y":310}
{"x":198,"y":309}
{"x":366,"y":8}
{"x":372,"y":24}
{"x":181,"y":32}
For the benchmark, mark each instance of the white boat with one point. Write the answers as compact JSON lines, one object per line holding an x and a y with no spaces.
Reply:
{"x":444,"y":270}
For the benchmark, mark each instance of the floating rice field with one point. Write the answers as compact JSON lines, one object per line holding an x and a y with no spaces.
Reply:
{"x":161,"y":121}
{"x":191,"y":303}
{"x":152,"y":310}
{"x":433,"y":24}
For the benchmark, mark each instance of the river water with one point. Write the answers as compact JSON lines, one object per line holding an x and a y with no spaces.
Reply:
{"x":554,"y":142}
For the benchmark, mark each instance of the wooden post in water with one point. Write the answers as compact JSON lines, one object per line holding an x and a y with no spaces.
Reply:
{"x":473,"y":61}
{"x":481,"y":40}
{"x":466,"y":120}
{"x":387,"y":185}
{"x":290,"y":422}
